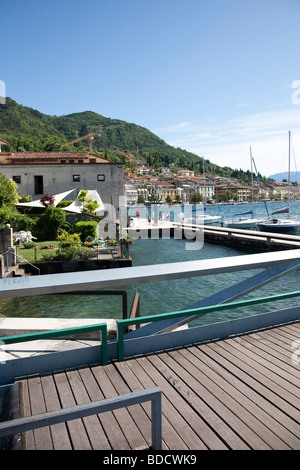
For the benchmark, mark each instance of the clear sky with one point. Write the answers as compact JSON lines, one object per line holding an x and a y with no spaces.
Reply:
{"x":212,"y":77}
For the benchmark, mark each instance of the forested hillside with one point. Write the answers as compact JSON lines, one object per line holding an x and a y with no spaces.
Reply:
{"x":26,"y":129}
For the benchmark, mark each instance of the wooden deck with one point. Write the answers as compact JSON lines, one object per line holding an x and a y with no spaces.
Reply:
{"x":238,"y":393}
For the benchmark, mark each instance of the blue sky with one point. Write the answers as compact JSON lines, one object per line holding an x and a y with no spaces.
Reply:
{"x":211,"y":77}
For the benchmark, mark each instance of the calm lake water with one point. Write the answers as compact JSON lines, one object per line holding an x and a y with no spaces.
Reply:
{"x":162,"y":297}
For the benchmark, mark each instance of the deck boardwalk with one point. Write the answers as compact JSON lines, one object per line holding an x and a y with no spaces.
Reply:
{"x":238,"y":393}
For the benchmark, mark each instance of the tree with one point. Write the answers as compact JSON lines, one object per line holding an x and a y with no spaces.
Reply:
{"x":197,"y":197}
{"x":90,"y":206}
{"x":8,"y":191}
{"x":47,"y":226}
{"x":141,"y":199}
{"x":47,"y":200}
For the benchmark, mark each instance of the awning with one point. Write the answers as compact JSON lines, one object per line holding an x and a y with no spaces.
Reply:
{"x":57,"y":198}
{"x":77,"y":206}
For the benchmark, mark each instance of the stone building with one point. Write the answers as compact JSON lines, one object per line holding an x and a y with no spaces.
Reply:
{"x":38,"y":173}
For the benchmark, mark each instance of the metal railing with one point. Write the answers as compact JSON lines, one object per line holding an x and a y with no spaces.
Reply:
{"x":16,"y":426}
{"x":24,"y":260}
{"x":9,"y":258}
{"x":102,"y":327}
{"x":122,"y":324}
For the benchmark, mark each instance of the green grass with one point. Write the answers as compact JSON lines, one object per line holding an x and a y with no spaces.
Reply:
{"x":37,"y":252}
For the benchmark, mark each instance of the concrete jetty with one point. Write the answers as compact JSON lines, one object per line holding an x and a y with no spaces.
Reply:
{"x":236,"y":238}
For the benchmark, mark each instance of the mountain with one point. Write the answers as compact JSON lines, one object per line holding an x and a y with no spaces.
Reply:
{"x":279,"y":177}
{"x":27,"y":129}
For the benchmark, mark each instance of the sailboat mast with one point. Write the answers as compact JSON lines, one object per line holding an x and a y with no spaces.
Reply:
{"x":289,"y":175}
{"x":251,"y":166}
{"x":204,"y":184}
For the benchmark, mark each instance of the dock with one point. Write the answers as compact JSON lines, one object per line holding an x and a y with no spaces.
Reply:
{"x":227,"y":385}
{"x":251,"y":240}
{"x":240,"y":393}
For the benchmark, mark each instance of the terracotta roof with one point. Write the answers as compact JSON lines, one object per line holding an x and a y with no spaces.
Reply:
{"x":3,"y":141}
{"x":54,"y":156}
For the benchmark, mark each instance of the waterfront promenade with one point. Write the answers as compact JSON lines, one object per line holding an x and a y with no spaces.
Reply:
{"x":227,"y":385}
{"x":235,"y":238}
{"x":239,"y":393}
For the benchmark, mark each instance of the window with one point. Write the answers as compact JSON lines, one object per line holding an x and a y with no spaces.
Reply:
{"x":76,"y":178}
{"x":101,"y":177}
{"x":17,"y":179}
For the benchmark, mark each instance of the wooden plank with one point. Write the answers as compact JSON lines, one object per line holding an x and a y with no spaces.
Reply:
{"x":128,"y":426}
{"x":206,"y":411}
{"x":262,"y":374}
{"x":274,"y":342}
{"x":280,"y":375}
{"x":171,"y":421}
{"x":141,"y":419}
{"x":114,"y":434}
{"x":28,"y":437}
{"x":59,"y":431}
{"x":231,"y":411}
{"x":177,"y":433}
{"x":277,"y":355}
{"x":92,"y":424}
{"x":284,"y":427}
{"x":250,"y":376}
{"x":42,"y":436}
{"x":134,"y":385}
{"x":78,"y":436}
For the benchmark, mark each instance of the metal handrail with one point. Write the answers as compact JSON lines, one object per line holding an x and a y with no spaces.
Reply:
{"x":102,"y":327}
{"x":24,"y":260}
{"x":121,"y":324}
{"x":17,"y":426}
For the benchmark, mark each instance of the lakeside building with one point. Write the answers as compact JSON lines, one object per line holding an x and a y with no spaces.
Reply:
{"x":163,"y":189}
{"x":196,"y":185}
{"x":281,"y":190}
{"x":38,"y":173}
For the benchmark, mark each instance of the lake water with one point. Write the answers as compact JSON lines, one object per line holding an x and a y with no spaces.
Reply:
{"x":167,"y":296}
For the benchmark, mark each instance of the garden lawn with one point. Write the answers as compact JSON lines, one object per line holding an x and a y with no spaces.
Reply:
{"x":38,"y":250}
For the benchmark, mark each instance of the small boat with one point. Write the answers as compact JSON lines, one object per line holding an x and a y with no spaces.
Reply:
{"x":238,"y":221}
{"x":246,"y":223}
{"x":203,"y":218}
{"x":278,"y":225}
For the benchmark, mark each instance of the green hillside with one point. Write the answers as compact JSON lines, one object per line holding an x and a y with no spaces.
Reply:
{"x":28,"y":129}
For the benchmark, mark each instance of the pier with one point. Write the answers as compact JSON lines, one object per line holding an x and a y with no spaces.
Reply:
{"x":239,"y":393}
{"x":229,"y":385}
{"x":251,"y":240}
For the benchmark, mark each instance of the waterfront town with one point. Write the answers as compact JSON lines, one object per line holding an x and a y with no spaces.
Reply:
{"x":35,"y":175}
{"x":171,"y":185}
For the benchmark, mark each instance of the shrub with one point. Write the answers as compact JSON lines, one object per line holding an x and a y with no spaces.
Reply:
{"x":69,"y":239}
{"x":86,"y":229}
{"x":49,"y":223}
{"x":10,"y":215}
